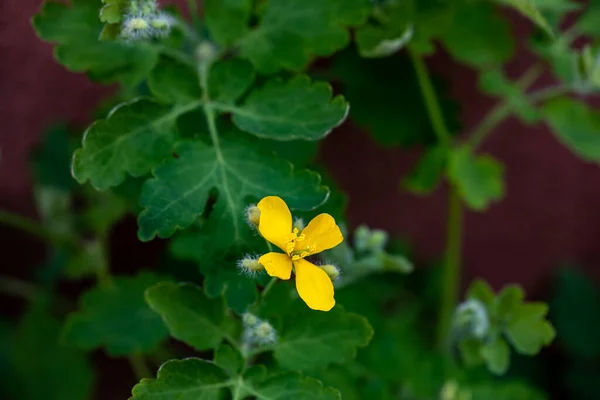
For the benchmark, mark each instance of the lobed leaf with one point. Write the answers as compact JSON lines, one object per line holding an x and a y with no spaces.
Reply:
{"x":291,"y":32}
{"x":576,"y":125}
{"x":75,"y":29}
{"x":297,"y":109}
{"x":227,"y":20}
{"x":116,"y":318}
{"x":478,"y":178}
{"x":189,"y":379}
{"x":312,"y":340}
{"x":287,"y":385}
{"x":179,"y":191}
{"x":190,"y":316}
{"x":44,"y":368}
{"x":135,"y":137}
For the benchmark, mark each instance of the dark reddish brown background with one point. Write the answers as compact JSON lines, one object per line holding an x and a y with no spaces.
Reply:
{"x":551,"y":211}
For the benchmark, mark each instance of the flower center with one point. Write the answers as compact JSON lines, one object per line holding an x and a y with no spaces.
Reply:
{"x":294,"y":245}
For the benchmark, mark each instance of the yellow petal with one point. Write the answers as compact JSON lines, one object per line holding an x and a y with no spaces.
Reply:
{"x":275,"y":222}
{"x":322,"y":234}
{"x":277,"y":264}
{"x":314,"y":286}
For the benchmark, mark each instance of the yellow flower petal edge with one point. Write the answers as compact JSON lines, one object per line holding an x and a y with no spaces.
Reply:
{"x":314,"y":286}
{"x":322,"y":233}
{"x":277,"y":264}
{"x":275,"y":222}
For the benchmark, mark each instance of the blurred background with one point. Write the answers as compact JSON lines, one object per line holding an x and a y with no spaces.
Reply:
{"x":550,"y":217}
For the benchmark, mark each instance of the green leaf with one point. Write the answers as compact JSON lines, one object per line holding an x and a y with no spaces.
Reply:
{"x":478,"y":178}
{"x":113,"y":10}
{"x":505,"y":390}
{"x":312,"y":340}
{"x":478,"y":36}
{"x":291,"y":32}
{"x":75,"y":29}
{"x":174,"y":82}
{"x":576,"y":125}
{"x":230,"y":79}
{"x":482,"y":291}
{"x":527,"y":329}
{"x":52,"y":161}
{"x":221,"y":275}
{"x":529,"y":9}
{"x":426,"y":175}
{"x":376,"y":105}
{"x":297,"y":109}
{"x":189,"y":379}
{"x":508,"y":301}
{"x":190,"y":316}
{"x":287,"y":385}
{"x":229,"y":359}
{"x":393,"y":30}
{"x":43,"y":368}
{"x":227,"y":20}
{"x":135,"y":137}
{"x":177,"y":194}
{"x":116,"y":317}
{"x":576,"y":314}
{"x":497,"y":356}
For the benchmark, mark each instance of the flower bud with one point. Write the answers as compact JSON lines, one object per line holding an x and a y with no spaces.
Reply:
{"x":136,"y":28}
{"x":265,"y":333}
{"x":377,"y":240}
{"x":332,"y":271}
{"x":206,"y":52}
{"x":298,"y":224}
{"x":471,"y":319}
{"x":249,"y":320}
{"x":250,"y":265}
{"x":253,"y":215}
{"x":161,"y":24}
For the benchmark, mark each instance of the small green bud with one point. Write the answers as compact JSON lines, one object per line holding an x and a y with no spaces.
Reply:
{"x":206,"y":52}
{"x":377,"y":240}
{"x":449,"y":390}
{"x":249,"y":319}
{"x":471,"y":318}
{"x":361,"y":238}
{"x":253,"y":215}
{"x":332,"y":271}
{"x":298,"y":224}
{"x":250,"y":265}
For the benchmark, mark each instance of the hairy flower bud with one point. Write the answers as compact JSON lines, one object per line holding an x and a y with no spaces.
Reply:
{"x":249,"y":320}
{"x":257,"y":331}
{"x":250,"y":265}
{"x":332,"y":271}
{"x":471,"y":318}
{"x":253,"y":215}
{"x":206,"y":52}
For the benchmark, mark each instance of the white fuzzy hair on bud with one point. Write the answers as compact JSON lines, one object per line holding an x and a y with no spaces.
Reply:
{"x":332,"y":271}
{"x":249,"y":265}
{"x":252,"y":215}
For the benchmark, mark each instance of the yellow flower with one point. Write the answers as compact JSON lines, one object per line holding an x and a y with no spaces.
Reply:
{"x":313,"y":284}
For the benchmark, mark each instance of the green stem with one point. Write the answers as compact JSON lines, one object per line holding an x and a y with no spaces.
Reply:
{"x":139,"y":366}
{"x":194,"y":13}
{"x":451,"y":279}
{"x":18,"y":288}
{"x":431,"y":101}
{"x":503,"y":109}
{"x":267,"y":288}
{"x":36,"y":229}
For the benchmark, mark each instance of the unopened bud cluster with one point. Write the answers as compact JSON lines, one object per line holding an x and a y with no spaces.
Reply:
{"x":471,"y":319}
{"x":144,"y":21}
{"x":370,"y":240}
{"x":257,"y":331}
{"x":250,"y":266}
{"x":332,"y":271}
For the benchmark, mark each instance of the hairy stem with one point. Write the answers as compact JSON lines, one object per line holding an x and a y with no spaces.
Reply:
{"x":503,"y":109}
{"x":431,"y":101}
{"x":139,"y":366}
{"x":451,"y":278}
{"x":36,"y":229}
{"x":18,"y":288}
{"x":194,"y":13}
